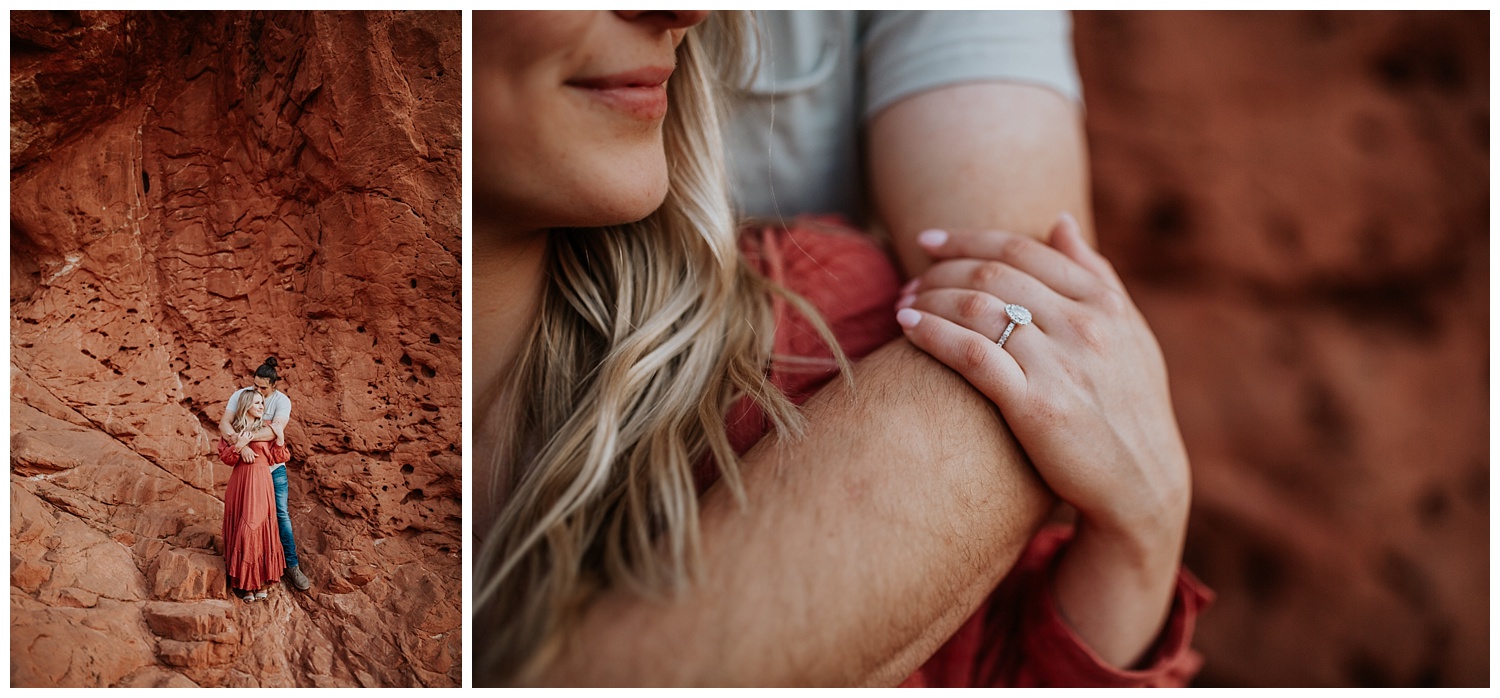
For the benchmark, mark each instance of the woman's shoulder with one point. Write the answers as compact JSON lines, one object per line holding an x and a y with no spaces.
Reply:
{"x":842,"y":272}
{"x":820,"y":255}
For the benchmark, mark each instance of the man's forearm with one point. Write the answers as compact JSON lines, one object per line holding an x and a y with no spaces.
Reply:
{"x":865,"y":545}
{"x":262,"y":434}
{"x":977,"y":156}
{"x":226,"y":430}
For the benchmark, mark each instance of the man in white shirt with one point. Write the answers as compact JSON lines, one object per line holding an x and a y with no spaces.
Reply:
{"x":910,"y":120}
{"x":278,"y":413}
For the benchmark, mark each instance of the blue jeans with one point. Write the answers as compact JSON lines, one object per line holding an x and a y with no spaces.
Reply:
{"x":288,"y":545}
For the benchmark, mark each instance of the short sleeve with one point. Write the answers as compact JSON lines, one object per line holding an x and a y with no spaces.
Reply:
{"x":282,"y":408}
{"x":906,"y":52}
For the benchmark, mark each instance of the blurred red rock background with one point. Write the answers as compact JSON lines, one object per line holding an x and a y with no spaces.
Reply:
{"x":1299,"y":202}
{"x":191,"y":193}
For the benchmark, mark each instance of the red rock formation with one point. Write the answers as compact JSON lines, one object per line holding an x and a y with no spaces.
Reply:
{"x":1300,"y":205}
{"x":191,"y":193}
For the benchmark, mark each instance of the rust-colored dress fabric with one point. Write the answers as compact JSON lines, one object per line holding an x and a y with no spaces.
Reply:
{"x":1017,"y":637}
{"x":252,"y":541}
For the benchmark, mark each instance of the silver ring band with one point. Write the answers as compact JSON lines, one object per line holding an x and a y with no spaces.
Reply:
{"x":1018,"y":315}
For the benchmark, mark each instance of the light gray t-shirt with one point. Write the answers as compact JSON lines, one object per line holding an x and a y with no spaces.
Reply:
{"x":794,"y":134}
{"x":277,"y":405}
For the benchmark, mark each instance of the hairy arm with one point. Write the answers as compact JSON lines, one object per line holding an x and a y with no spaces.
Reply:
{"x":865,"y":545}
{"x":265,"y":433}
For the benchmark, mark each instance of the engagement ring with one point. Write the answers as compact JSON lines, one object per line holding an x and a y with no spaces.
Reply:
{"x":1018,"y":316}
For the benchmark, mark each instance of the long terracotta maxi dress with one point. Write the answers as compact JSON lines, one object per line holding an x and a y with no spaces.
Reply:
{"x":252,"y":541}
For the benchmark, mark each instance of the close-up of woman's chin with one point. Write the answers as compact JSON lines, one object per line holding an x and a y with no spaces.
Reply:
{"x":622,"y":202}
{"x":588,"y":204}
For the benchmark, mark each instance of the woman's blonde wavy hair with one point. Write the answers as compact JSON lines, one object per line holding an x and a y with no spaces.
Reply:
{"x":242,"y":420}
{"x":648,"y":333}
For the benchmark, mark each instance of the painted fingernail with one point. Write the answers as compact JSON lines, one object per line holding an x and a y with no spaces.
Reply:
{"x":1069,"y":222}
{"x":906,"y":301}
{"x":911,"y":286}
{"x":932,"y":238}
{"x":908,"y":318}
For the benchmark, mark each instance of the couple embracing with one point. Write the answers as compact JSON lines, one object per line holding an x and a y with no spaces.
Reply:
{"x":258,"y":547}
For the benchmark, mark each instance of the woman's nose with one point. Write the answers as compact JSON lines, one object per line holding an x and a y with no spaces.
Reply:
{"x":665,"y":19}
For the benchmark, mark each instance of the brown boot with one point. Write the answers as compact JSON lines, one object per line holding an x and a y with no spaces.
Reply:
{"x":298,"y":580}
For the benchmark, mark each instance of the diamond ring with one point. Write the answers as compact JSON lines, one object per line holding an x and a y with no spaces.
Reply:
{"x":1018,"y":316}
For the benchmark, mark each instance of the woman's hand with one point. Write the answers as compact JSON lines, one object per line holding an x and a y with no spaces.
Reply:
{"x":279,"y":430}
{"x":1084,"y":389}
{"x":242,"y":446}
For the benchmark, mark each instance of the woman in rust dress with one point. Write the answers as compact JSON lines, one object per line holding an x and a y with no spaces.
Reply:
{"x":252,"y":544}
{"x":631,"y":334}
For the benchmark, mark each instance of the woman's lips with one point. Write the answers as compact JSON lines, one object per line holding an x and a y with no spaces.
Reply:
{"x":640,"y":93}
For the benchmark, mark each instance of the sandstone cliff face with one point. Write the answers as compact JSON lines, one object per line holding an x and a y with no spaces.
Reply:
{"x":191,"y":193}
{"x":1300,"y":205}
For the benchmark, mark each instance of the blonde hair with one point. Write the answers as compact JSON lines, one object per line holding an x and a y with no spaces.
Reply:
{"x":242,"y":419}
{"x":648,"y":333}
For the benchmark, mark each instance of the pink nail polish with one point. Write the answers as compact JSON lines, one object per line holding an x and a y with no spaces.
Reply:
{"x":1070,"y":223}
{"x":906,"y":301}
{"x":908,"y":318}
{"x":911,"y":287}
{"x":932,"y":238}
